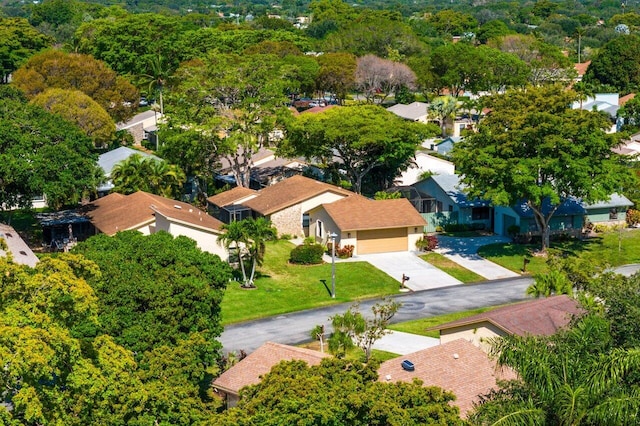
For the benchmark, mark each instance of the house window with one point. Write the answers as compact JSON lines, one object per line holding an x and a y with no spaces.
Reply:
{"x":305,"y":220}
{"x":428,"y":206}
{"x":450,"y":208}
{"x":438,"y":206}
{"x":613,"y":214}
{"x":319,"y":229}
{"x":480,"y":213}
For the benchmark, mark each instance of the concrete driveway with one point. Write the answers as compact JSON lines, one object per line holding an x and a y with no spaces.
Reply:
{"x":464,"y":251}
{"x":422,"y":275}
{"x":402,"y":343}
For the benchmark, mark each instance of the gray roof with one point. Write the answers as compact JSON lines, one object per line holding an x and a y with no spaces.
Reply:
{"x":616,"y":200}
{"x":109,"y":159}
{"x":19,"y":250}
{"x":413,"y":111}
{"x":138,"y":118}
{"x":454,"y":189}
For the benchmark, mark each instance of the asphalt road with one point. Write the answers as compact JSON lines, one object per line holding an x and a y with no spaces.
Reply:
{"x":296,"y":327}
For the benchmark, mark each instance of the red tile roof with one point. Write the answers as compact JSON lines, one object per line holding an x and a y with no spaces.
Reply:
{"x":231,"y":196}
{"x":581,"y":67}
{"x":250,"y":370}
{"x":360,"y":213}
{"x":458,"y":367}
{"x":624,"y":99}
{"x":117,"y":212}
{"x":289,"y":192}
{"x":539,"y":317}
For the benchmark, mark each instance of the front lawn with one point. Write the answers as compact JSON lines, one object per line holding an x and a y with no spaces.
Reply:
{"x":614,"y":248}
{"x":452,"y":268}
{"x":420,"y":325}
{"x":283,"y":287}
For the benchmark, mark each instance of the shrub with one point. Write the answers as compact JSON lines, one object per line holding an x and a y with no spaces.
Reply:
{"x":427,"y":243}
{"x":456,"y":227}
{"x":513,"y":230}
{"x":307,"y":254}
{"x":286,"y":237}
{"x":439,"y":228}
{"x":633,"y":217}
{"x":344,"y":252}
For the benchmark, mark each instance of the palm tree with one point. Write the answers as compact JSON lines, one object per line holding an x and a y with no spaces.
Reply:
{"x":235,"y":236}
{"x":138,"y":173}
{"x":550,"y":283}
{"x":128,"y":176}
{"x":165,"y":179}
{"x":444,"y":109}
{"x":156,"y":79}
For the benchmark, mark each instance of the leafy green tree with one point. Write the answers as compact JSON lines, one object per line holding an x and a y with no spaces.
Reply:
{"x":354,"y":329}
{"x":492,"y":29}
{"x":235,"y":101}
{"x":71,"y":71}
{"x":358,"y":138}
{"x":156,"y":290}
{"x":19,"y":41}
{"x":338,"y":392}
{"x":453,"y":67}
{"x":615,"y":65}
{"x":575,"y":377}
{"x":452,"y":23}
{"x":337,"y":74}
{"x":138,"y":173}
{"x":248,"y":237}
{"x":55,"y":160}
{"x":76,"y":107}
{"x":534,"y":149}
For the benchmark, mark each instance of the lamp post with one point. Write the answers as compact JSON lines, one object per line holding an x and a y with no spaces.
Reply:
{"x":333,"y":236}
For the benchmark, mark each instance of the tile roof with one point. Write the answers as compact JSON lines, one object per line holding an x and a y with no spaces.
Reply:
{"x":581,"y":67}
{"x":117,"y":212}
{"x":458,"y":367}
{"x":250,"y":370}
{"x":289,"y":192}
{"x":20,"y":251}
{"x":231,"y":196}
{"x":624,"y":99}
{"x":538,"y":317}
{"x":360,"y":213}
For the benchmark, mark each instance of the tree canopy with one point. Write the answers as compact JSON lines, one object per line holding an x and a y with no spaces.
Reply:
{"x":149,"y":174}
{"x":56,"y":160}
{"x":19,"y":41}
{"x":357,"y":139}
{"x":534,"y":149}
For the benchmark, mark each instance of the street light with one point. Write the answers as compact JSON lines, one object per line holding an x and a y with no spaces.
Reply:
{"x":333,"y":236}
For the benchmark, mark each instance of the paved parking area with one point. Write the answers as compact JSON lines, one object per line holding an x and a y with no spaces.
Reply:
{"x":464,"y":251}
{"x":422,"y":275}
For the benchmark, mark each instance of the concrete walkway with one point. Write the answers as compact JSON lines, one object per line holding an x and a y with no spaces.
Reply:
{"x":402,"y":343}
{"x":422,"y":275}
{"x":464,"y":251}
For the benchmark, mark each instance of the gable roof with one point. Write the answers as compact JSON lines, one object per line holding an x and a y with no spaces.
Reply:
{"x":289,"y":192}
{"x":138,"y":118}
{"x":452,"y":186}
{"x":20,"y":251}
{"x":189,"y":215}
{"x":458,"y":367}
{"x":250,"y":370}
{"x":570,"y":207}
{"x":538,"y":317}
{"x":360,"y":213}
{"x":413,"y":111}
{"x":232,"y":196}
{"x":615,"y":200}
{"x":117,"y":212}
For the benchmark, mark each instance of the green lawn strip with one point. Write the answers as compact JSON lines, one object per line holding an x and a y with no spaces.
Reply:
{"x":420,"y":325}
{"x":452,"y":268}
{"x":283,"y":287}
{"x":461,"y":234}
{"x":615,"y":248}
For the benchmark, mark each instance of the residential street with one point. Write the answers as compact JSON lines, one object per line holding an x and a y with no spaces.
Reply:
{"x":295,"y":327}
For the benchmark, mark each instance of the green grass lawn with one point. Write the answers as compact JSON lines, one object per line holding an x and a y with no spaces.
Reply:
{"x":450,"y":267}
{"x":615,"y":248}
{"x":420,"y":325}
{"x":283,"y":287}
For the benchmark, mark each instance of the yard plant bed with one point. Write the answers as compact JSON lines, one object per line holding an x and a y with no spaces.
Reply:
{"x":283,"y":287}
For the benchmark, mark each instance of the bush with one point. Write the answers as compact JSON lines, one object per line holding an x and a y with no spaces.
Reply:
{"x":633,"y":217}
{"x":344,"y":252}
{"x":307,"y":254}
{"x":439,"y":228}
{"x":456,"y":227}
{"x":427,"y":243}
{"x":286,"y":237}
{"x":513,"y":231}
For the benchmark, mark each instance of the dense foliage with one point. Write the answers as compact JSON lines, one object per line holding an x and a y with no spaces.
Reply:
{"x":307,"y":254}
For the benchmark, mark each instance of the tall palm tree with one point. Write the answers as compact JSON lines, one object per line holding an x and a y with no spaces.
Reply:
{"x":138,"y":173}
{"x":128,"y":176}
{"x":156,"y":78}
{"x":165,"y":179}
{"x":235,"y":236}
{"x":260,"y":231}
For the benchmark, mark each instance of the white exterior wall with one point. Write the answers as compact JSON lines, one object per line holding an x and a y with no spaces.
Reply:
{"x":414,"y":236}
{"x":478,"y":334}
{"x":425,"y":162}
{"x":324,"y":198}
{"x":206,"y":241}
{"x":328,"y":226}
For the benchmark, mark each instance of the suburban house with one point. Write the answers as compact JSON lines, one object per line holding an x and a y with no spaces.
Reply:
{"x":424,"y":162}
{"x":444,"y":202}
{"x":371,"y":226}
{"x":456,"y":366}
{"x":16,"y":247}
{"x":417,"y":111}
{"x":446,"y":145}
{"x":538,"y":317}
{"x":108,"y":160}
{"x":149,"y":213}
{"x":142,"y":126}
{"x":227,"y":206}
{"x":249,"y":371}
{"x":605,"y":102}
{"x":286,"y":203}
{"x":630,"y":147}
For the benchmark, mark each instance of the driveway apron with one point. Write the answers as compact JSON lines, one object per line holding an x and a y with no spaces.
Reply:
{"x":464,"y":251}
{"x":422,"y":275}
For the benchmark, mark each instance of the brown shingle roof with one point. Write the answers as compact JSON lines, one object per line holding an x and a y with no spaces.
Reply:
{"x":624,"y":99}
{"x":250,"y":370}
{"x":360,"y":213}
{"x":469,"y":375}
{"x":231,"y":196}
{"x":117,"y":212}
{"x":539,"y":317}
{"x":288,"y":192}
{"x":189,"y":215}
